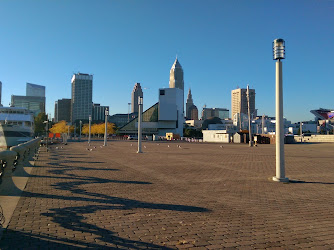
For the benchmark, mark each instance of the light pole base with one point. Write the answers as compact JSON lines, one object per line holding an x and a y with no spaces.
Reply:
{"x":251,"y":143}
{"x":280,"y":179}
{"x":139,"y":152}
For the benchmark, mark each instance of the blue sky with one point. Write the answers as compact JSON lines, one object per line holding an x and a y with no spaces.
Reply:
{"x":220,"y":45}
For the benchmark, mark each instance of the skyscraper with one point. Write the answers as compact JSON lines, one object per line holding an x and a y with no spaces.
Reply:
{"x":63,"y":110}
{"x":191,"y":109}
{"x":221,"y":113}
{"x":136,"y":92}
{"x":35,"y":90}
{"x":35,"y":104}
{"x":176,"y":76}
{"x":176,"y":79}
{"x":239,"y":102}
{"x":34,"y":99}
{"x":99,"y":112}
{"x":189,"y":103}
{"x":82,"y":92}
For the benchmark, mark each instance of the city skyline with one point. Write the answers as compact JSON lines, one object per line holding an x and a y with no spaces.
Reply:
{"x":220,"y":45}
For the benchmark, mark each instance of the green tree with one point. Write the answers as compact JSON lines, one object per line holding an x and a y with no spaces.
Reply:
{"x":39,"y":125}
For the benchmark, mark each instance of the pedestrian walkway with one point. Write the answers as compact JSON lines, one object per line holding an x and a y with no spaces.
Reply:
{"x":175,"y":195}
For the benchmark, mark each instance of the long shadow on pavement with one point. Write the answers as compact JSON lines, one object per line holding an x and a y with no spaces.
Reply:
{"x":72,"y":217}
{"x":310,"y":182}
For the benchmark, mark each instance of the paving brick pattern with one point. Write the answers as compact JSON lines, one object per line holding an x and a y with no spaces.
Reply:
{"x":175,"y":196}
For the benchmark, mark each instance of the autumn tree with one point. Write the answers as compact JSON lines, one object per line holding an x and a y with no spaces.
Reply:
{"x":85,"y":129}
{"x":61,"y":127}
{"x":99,"y":128}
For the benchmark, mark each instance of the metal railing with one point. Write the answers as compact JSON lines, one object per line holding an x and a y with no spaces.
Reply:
{"x":12,"y":163}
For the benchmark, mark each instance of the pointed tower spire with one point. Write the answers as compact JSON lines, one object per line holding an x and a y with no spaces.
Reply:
{"x":176,"y":75}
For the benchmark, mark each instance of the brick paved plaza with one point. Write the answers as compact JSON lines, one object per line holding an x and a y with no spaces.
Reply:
{"x":201,"y":196}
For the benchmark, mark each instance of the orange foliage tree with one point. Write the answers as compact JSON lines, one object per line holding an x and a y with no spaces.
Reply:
{"x":99,"y":128}
{"x":61,"y":127}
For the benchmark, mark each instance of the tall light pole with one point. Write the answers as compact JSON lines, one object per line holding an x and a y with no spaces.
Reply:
{"x":46,"y":133}
{"x":129,"y":105}
{"x":249,"y":120}
{"x":279,"y":54}
{"x":106,"y":127}
{"x":90,"y":124}
{"x":140,"y":111}
{"x":301,"y":132}
{"x":80,"y":130}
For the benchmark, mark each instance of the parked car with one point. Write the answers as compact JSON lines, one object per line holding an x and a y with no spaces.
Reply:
{"x":132,"y":137}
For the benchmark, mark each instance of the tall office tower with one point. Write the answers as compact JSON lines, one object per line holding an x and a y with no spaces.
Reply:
{"x":35,"y":90}
{"x":176,"y":76}
{"x":193,"y":113}
{"x":99,"y":112}
{"x":239,"y":102}
{"x":221,"y":113}
{"x":136,"y":92}
{"x":176,"y":79}
{"x":189,"y":103}
{"x":82,"y":92}
{"x":35,"y":104}
{"x":63,"y":110}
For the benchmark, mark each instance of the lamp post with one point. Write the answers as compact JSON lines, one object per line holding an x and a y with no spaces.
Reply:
{"x":106,"y":127}
{"x":129,"y":105}
{"x":301,"y":132}
{"x":80,"y":130}
{"x":140,"y":110}
{"x":46,"y":133}
{"x":249,"y":120}
{"x":90,"y":124}
{"x":278,"y":55}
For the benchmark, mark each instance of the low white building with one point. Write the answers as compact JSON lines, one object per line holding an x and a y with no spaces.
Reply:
{"x":216,"y":136}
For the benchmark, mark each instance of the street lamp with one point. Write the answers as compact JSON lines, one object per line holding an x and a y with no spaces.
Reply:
{"x":80,"y":130}
{"x":249,"y":120}
{"x":129,"y":105}
{"x":90,"y":123}
{"x":278,"y":55}
{"x":46,"y":133}
{"x":301,"y":132}
{"x":106,"y":126}
{"x":140,"y":110}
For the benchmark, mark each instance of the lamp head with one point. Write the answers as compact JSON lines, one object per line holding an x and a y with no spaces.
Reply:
{"x":279,"y":49}
{"x":140,"y":100}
